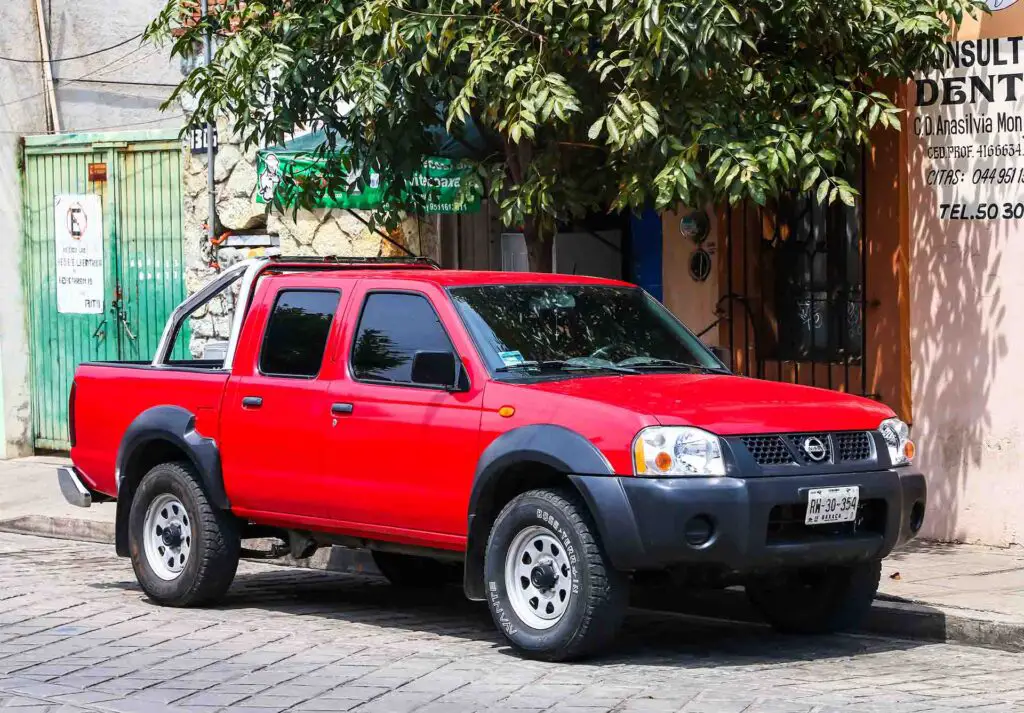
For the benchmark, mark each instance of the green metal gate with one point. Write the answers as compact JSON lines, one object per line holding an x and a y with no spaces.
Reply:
{"x":143,"y":268}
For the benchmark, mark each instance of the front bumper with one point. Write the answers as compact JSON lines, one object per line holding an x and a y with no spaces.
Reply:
{"x":756,"y":524}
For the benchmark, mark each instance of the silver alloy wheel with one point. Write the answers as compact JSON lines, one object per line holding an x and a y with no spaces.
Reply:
{"x":538,"y":577}
{"x":167,"y":536}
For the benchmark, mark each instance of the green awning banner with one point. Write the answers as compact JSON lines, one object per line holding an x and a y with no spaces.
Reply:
{"x":436,"y":184}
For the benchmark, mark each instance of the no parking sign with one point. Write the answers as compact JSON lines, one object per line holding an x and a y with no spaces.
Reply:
{"x":78,"y":238}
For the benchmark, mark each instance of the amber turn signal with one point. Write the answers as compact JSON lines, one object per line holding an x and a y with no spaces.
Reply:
{"x":909,"y":450}
{"x":638,"y":457}
{"x":506,"y":412}
{"x":663,"y":461}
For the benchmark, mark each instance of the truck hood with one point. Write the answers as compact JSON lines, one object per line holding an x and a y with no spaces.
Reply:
{"x":727,"y":405}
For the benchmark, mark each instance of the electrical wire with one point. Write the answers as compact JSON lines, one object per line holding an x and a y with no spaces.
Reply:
{"x":180,"y":119}
{"x":103,"y":128}
{"x":68,"y":59}
{"x":112,"y":81}
{"x":108,"y":67}
{"x":92,"y":73}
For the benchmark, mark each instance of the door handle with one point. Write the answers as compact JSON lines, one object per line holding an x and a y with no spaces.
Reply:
{"x":341,"y":409}
{"x":252,"y":402}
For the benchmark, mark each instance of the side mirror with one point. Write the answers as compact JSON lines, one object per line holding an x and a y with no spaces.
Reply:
{"x":436,"y":369}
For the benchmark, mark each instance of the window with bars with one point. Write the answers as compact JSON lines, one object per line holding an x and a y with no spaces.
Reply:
{"x":813,"y":251}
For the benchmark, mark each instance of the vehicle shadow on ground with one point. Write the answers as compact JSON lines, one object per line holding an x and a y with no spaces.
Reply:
{"x":929,"y":547}
{"x":670,"y":636}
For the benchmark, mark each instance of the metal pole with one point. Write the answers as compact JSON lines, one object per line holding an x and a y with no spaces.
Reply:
{"x":210,"y":190}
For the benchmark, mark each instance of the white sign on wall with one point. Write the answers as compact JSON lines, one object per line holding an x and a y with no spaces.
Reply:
{"x":78,"y":235}
{"x":968,"y":124}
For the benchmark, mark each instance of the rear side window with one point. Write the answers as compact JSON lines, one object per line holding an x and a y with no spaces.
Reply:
{"x":393,"y":327}
{"x":297,"y":332}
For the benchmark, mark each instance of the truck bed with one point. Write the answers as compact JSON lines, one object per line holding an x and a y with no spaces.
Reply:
{"x":108,"y":396}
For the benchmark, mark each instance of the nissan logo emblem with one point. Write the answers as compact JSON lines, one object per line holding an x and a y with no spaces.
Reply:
{"x":815,"y":449}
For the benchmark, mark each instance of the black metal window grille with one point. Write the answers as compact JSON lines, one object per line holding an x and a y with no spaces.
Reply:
{"x":815,"y":251}
{"x":796,"y":289}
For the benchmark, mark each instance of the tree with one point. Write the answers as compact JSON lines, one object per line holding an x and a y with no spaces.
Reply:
{"x":584,"y":105}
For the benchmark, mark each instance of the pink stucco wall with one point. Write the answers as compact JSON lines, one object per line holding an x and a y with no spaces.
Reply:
{"x":967,"y":334}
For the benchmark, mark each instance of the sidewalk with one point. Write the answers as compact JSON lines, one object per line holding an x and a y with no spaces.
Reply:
{"x":933,"y":591}
{"x":30,"y":501}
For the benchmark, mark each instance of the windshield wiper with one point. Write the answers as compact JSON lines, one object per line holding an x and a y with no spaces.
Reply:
{"x":568,"y":365}
{"x":673,"y":364}
{"x":565,"y":365}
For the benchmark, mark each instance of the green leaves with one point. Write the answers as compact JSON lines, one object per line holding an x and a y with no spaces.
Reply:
{"x":574,"y":105}
{"x":811,"y":177}
{"x":822,"y":192}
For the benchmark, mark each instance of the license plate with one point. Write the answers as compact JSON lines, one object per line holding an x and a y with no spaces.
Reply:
{"x":828,"y":505}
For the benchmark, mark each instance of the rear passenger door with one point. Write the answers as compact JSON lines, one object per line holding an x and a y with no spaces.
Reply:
{"x":275,"y":416}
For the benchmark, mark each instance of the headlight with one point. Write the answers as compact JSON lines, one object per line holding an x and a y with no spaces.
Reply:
{"x":896,"y":435}
{"x":677,"y":450}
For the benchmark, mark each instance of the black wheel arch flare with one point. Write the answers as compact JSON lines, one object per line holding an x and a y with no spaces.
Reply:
{"x":564,"y":451}
{"x":172,"y":429}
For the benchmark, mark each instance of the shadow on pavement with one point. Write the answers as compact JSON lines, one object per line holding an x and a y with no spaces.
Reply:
{"x":672,"y":636}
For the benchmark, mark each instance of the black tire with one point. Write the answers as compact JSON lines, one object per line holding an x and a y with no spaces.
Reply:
{"x":215,"y":543}
{"x":599,"y":593}
{"x":410,"y":572}
{"x":819,"y":600}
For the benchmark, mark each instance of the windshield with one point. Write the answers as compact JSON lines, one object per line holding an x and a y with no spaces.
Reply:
{"x":532,"y":328}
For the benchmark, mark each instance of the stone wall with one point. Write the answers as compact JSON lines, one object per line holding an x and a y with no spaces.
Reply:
{"x":238,"y":216}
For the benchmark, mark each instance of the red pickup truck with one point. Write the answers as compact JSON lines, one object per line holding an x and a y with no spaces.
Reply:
{"x":545,"y":437}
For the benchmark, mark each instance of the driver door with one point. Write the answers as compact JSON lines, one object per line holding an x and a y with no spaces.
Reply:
{"x":404,"y":453}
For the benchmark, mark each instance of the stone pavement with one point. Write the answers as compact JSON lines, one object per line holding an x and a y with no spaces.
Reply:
{"x":932,"y":591}
{"x":77,"y":636}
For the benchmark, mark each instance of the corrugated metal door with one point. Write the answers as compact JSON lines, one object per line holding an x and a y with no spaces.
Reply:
{"x":149,"y":237}
{"x":142,"y":259}
{"x":58,"y":342}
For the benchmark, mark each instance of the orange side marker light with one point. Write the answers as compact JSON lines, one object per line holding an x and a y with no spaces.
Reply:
{"x":909,"y":450}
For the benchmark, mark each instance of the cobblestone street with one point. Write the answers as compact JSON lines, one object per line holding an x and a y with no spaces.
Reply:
{"x":76,"y":634}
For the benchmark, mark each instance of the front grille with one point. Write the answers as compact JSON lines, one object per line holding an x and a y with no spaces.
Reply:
{"x":768,"y":450}
{"x":804,"y":444}
{"x":809,"y":450}
{"x":786,"y":524}
{"x":853,"y":446}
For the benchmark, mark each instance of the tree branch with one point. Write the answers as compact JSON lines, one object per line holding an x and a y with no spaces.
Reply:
{"x":580,"y":145}
{"x":464,"y":16}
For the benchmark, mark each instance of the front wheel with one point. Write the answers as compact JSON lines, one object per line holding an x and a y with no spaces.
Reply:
{"x":183,"y":549}
{"x":550,"y":587}
{"x":816,"y":600}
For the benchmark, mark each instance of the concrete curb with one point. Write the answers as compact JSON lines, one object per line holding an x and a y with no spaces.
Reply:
{"x":889,"y":616}
{"x":64,"y":528}
{"x":924,"y":622}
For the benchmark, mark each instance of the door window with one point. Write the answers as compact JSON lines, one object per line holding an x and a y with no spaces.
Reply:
{"x":392,"y":328}
{"x":297,"y":332}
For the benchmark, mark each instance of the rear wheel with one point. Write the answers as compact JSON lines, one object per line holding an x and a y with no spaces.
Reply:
{"x":416,"y":572}
{"x":816,"y":600}
{"x":184,"y":550}
{"x":550,"y":587}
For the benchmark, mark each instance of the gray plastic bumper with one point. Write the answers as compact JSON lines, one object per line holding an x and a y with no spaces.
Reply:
{"x":645,"y":523}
